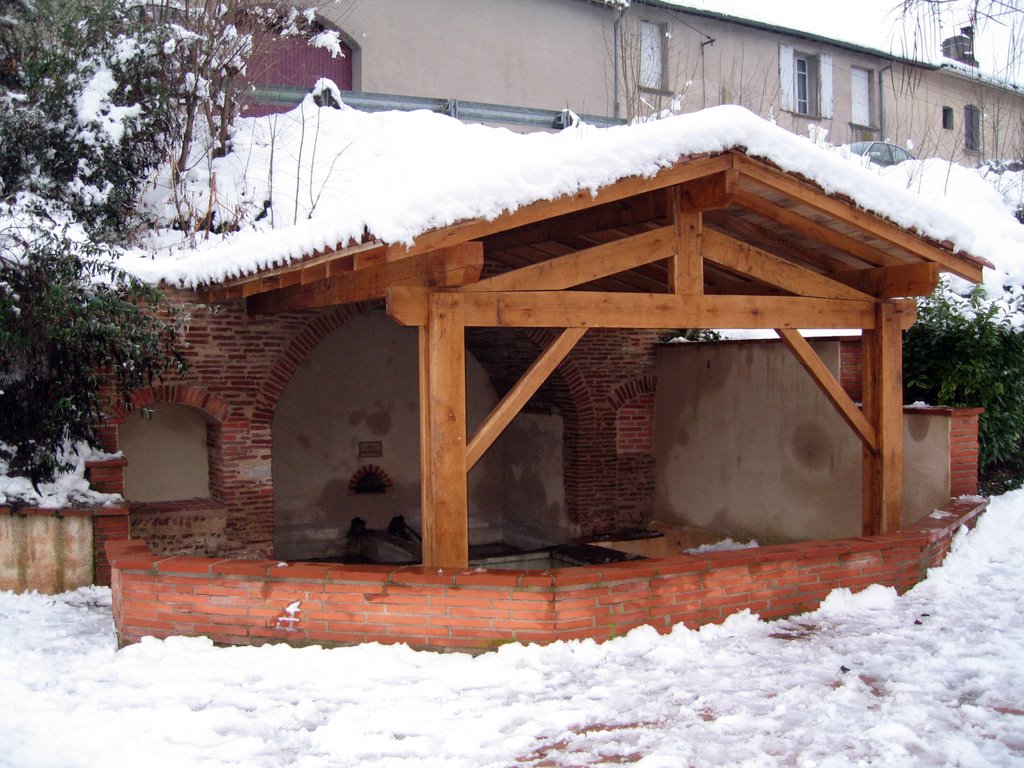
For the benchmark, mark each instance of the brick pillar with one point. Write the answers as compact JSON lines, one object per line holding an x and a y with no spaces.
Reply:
{"x":106,"y":475}
{"x":963,"y":451}
{"x":108,"y":524}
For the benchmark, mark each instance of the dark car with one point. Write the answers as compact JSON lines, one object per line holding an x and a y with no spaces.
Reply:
{"x":880,"y":153}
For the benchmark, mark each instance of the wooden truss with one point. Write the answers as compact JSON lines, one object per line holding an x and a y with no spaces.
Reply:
{"x":723,"y":241}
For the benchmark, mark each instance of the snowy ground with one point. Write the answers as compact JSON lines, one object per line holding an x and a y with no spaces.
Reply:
{"x":933,"y":678}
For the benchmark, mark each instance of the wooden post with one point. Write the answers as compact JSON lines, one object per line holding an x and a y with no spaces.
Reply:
{"x":686,"y":267}
{"x":426,"y":494}
{"x":882,"y":479}
{"x":443,"y":442}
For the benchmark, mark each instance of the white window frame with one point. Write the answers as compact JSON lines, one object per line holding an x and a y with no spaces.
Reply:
{"x":814,"y":72}
{"x":652,"y":56}
{"x":860,"y":97}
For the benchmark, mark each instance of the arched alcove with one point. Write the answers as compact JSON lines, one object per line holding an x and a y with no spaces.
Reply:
{"x":353,"y":402}
{"x":167,"y":446}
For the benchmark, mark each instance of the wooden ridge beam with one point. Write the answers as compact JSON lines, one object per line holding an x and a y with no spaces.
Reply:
{"x":587,"y":309}
{"x":846,"y":212}
{"x":710,"y":193}
{"x":520,"y":394}
{"x":581,"y":267}
{"x":444,"y":268}
{"x":832,"y":389}
{"x":768,"y":268}
{"x":893,"y":282}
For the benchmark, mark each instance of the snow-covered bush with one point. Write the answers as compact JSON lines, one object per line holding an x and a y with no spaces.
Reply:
{"x":72,"y":327}
{"x":967,"y":352}
{"x":84,"y":114}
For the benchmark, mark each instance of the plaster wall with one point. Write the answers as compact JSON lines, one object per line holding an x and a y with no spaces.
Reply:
{"x":553,"y":54}
{"x":359,"y":387}
{"x":747,"y":445}
{"x":166,"y":448}
{"x":530,"y":53}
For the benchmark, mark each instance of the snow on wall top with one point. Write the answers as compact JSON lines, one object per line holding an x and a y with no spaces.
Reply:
{"x":329,"y":175}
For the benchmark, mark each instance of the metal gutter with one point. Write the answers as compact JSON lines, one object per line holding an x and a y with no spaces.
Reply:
{"x":474,"y":111}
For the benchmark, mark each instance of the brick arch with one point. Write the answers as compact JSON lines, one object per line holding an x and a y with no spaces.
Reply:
{"x":298,"y":349}
{"x":622,"y":394}
{"x":180,"y":393}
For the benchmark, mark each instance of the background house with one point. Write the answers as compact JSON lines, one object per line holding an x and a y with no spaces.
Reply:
{"x":521,"y":63}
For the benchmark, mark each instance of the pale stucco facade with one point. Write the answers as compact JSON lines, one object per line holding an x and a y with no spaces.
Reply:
{"x":598,"y":59}
{"x":746,"y":444}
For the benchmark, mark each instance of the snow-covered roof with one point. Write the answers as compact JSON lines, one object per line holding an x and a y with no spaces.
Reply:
{"x":315,"y":179}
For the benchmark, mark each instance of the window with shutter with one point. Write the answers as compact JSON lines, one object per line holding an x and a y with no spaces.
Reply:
{"x":652,"y":56}
{"x":860,"y":92}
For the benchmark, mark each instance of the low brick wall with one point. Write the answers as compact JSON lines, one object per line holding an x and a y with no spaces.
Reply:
{"x":53,"y":550}
{"x":250,"y":602}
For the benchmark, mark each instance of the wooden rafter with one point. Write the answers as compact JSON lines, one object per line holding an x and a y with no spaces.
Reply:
{"x":772,"y":270}
{"x":445,"y":268}
{"x":869,"y":223}
{"x":581,"y":267}
{"x":811,"y":229}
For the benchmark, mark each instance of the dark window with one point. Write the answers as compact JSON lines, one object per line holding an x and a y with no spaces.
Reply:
{"x":947,"y":118}
{"x":972,"y":128}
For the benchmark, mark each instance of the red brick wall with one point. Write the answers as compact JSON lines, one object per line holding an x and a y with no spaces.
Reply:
{"x":963,"y":451}
{"x":109,"y":524}
{"x":246,"y":602}
{"x":241,"y":365}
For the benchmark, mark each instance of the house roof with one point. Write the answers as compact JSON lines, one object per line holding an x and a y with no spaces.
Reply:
{"x":390,"y":183}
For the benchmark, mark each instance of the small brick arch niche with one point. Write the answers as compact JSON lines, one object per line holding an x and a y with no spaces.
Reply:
{"x":177,"y":421}
{"x":369,"y":479}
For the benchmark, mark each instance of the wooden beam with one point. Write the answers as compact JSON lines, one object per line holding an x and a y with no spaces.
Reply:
{"x":646,"y":208}
{"x":584,"y":266}
{"x":811,"y":229}
{"x":521,"y":393}
{"x":296,"y":272}
{"x":446,"y":513}
{"x":446,"y":267}
{"x":917,"y":279}
{"x":778,"y":241}
{"x":474,"y":229}
{"x":770,"y":269}
{"x":708,"y":193}
{"x":870,"y":223}
{"x":586,"y":309}
{"x":833,"y":390}
{"x":686,"y":267}
{"x":882,"y":475}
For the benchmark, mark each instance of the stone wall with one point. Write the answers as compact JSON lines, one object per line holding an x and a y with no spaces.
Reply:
{"x":53,"y":550}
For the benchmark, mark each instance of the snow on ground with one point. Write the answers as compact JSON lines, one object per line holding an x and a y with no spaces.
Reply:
{"x":933,"y":678}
